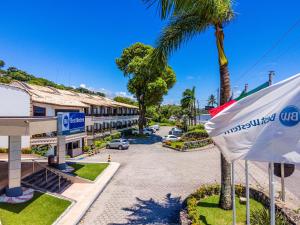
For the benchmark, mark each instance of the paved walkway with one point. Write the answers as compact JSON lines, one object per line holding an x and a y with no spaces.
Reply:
{"x":152,"y":182}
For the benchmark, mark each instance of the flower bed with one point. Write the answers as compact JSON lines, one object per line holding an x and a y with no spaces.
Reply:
{"x":186,"y":146}
{"x":202,"y":204}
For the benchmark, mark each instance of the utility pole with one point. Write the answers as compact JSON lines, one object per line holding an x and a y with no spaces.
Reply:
{"x":218,"y":96}
{"x":271,"y":74}
{"x":246,"y":88}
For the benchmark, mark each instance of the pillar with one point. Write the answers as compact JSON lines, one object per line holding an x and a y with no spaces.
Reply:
{"x":14,"y":166}
{"x":61,"y":152}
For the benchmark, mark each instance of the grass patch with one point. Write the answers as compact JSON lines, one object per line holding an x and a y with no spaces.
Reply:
{"x":208,"y":211}
{"x":42,"y":209}
{"x":88,"y":171}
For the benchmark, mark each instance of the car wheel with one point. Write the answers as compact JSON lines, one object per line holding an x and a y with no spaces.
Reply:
{"x":107,"y":147}
{"x":120,"y":147}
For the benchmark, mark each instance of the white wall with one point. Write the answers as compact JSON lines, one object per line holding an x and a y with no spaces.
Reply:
{"x":14,"y":102}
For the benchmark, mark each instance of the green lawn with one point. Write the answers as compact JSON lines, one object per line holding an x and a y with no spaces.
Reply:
{"x":88,"y":171}
{"x":42,"y":209}
{"x":209,"y":212}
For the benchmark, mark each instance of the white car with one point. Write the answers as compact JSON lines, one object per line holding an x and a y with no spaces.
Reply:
{"x":170,"y":138}
{"x":155,"y":126}
{"x":145,"y":131}
{"x":175,"y":131}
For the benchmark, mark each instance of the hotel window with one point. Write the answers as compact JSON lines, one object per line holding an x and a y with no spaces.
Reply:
{"x":39,"y":111}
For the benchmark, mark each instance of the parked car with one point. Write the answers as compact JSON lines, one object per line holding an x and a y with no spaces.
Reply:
{"x":118,"y":143}
{"x":170,"y":138}
{"x":152,"y":129}
{"x":176,"y":131}
{"x":145,"y":131}
{"x":155,"y":126}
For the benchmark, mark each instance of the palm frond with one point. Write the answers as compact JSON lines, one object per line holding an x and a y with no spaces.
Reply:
{"x":167,"y":8}
{"x":180,"y":30}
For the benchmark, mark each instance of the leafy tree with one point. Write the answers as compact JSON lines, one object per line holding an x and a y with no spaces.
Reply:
{"x":147,"y":82}
{"x":187,"y":19}
{"x":212,"y":100}
{"x":2,"y":63}
{"x":125,"y":100}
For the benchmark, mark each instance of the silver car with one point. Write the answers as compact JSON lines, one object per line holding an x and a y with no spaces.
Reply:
{"x":118,"y":143}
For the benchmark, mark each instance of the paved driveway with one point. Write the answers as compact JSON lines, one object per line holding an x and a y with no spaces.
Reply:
{"x":153,"y":181}
{"x":151,"y":184}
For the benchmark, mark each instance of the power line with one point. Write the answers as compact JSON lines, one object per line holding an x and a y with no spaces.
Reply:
{"x":275,"y":44}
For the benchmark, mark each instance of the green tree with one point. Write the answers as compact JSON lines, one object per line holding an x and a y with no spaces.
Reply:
{"x":187,"y":19}
{"x":2,"y":63}
{"x":125,"y":100}
{"x":147,"y":81}
{"x":212,"y":100}
{"x":188,"y":103}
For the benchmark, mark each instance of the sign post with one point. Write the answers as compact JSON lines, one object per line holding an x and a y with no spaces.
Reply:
{"x":67,"y":123}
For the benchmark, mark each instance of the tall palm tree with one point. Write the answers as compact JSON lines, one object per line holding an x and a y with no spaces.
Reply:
{"x":187,"y":19}
{"x":188,"y":102}
{"x":212,"y":100}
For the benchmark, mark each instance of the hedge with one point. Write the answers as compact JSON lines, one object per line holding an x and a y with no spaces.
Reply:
{"x":195,"y":135}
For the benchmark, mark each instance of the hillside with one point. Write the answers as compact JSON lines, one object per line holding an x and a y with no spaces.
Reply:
{"x":12,"y":73}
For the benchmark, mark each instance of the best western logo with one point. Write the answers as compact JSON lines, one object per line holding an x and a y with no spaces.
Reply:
{"x":290,"y":116}
{"x":252,"y":123}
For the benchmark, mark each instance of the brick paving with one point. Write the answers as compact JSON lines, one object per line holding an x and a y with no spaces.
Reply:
{"x":153,"y":181}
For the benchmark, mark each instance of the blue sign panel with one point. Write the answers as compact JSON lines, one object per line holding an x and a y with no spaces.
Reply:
{"x":70,"y":123}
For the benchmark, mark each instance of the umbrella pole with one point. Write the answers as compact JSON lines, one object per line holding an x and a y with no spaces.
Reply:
{"x":233,"y":194}
{"x":272,"y":193}
{"x":247,"y":193}
{"x":282,"y":182}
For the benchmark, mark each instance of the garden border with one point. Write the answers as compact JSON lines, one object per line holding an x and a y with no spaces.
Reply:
{"x":292,"y":217}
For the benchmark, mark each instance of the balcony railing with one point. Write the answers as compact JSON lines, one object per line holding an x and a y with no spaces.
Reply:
{"x":53,"y":140}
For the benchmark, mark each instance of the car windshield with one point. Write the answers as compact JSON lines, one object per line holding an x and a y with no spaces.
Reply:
{"x":124,"y":140}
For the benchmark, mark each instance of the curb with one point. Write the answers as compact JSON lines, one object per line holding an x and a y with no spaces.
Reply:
{"x":189,"y":150}
{"x":79,"y":209}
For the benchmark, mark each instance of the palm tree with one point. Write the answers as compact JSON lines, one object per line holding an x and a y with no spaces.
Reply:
{"x":212,"y":100}
{"x":187,"y":19}
{"x":188,"y":102}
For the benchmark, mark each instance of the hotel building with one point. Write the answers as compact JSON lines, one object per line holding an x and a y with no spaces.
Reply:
{"x":103,"y":115}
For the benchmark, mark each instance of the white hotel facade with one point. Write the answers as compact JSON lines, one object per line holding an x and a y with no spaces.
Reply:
{"x":103,"y":115}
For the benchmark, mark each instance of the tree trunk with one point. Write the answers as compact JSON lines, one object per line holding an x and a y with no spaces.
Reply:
{"x":225,"y":194}
{"x":142,"y":119}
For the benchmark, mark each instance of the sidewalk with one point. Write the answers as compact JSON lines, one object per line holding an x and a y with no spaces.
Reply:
{"x":84,"y":194}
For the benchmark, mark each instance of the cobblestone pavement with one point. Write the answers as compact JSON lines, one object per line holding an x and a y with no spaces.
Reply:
{"x":153,"y":181}
{"x":151,"y":184}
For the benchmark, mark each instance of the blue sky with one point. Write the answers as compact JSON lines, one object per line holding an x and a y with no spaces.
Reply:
{"x":77,"y":42}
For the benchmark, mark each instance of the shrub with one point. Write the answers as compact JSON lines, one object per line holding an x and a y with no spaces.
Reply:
{"x":195,"y":134}
{"x":179,"y":145}
{"x":27,"y":151}
{"x":168,"y":143}
{"x":86,"y":148}
{"x":127,"y":132}
{"x":40,"y":150}
{"x":262,"y":217}
{"x":116,"y":135}
{"x":108,"y":138}
{"x":3,"y":150}
{"x":196,"y":127}
{"x":100,"y":143}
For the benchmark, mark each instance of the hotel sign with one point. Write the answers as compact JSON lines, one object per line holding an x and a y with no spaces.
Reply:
{"x":70,"y":123}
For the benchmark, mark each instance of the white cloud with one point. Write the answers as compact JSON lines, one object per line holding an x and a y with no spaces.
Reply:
{"x":82,"y":85}
{"x":190,"y":77}
{"x":123,"y":94}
